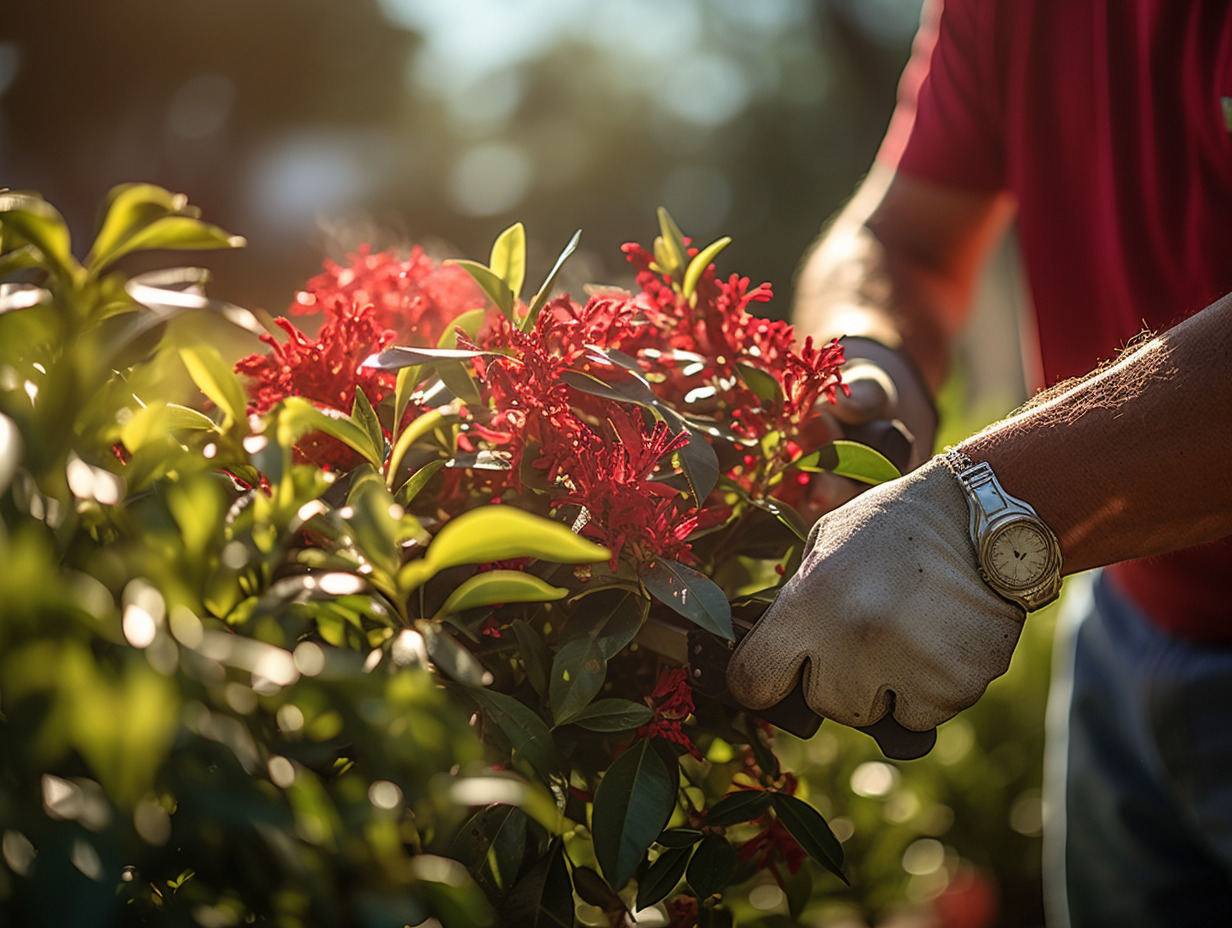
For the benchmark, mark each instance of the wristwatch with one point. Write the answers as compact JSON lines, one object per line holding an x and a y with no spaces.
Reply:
{"x":1018,"y":555}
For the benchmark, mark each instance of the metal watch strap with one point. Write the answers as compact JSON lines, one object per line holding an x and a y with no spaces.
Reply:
{"x":989,"y":502}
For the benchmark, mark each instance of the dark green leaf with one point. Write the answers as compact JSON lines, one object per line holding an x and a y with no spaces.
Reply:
{"x":540,"y":299}
{"x":786,"y":514}
{"x":535,"y":654}
{"x":577,"y":676}
{"x":680,"y":837}
{"x":634,"y":800}
{"x":527,"y":734}
{"x":799,"y":891}
{"x":761,"y":383}
{"x":492,"y":845}
{"x":612,"y":715}
{"x":850,"y":459}
{"x":630,"y":390}
{"x":508,"y":258}
{"x":700,"y":465}
{"x":662,"y":876}
{"x":694,"y":596}
{"x":700,"y":262}
{"x":610,"y":617}
{"x":741,"y":806}
{"x":712,"y":865}
{"x":455,"y":661}
{"x":491,"y":284}
{"x":593,"y":888}
{"x":544,"y":897}
{"x":363,"y":415}
{"x":810,"y":829}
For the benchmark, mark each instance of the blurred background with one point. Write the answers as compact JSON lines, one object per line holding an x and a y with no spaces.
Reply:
{"x":309,"y":126}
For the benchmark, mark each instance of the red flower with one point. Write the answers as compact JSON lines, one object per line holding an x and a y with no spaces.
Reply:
{"x":672,"y":702}
{"x":771,"y":845}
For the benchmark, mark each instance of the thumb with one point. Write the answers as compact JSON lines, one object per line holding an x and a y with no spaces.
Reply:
{"x":870,"y":394}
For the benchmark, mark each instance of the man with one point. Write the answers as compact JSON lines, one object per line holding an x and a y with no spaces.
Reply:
{"x":1105,"y":128}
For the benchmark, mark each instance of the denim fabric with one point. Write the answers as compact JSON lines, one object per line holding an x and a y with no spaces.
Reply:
{"x":1140,"y":729}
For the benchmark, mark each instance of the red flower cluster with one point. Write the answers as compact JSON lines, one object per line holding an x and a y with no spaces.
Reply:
{"x":672,"y":702}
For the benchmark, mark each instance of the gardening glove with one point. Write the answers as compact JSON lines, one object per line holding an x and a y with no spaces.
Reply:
{"x":887,"y":613}
{"x":883,"y":387}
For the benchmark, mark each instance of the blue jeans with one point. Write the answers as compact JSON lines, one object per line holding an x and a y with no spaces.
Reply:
{"x":1140,"y":746}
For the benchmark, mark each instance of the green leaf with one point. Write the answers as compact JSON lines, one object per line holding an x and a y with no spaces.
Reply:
{"x":508,"y":259}
{"x":499,"y":586}
{"x":674,"y":256}
{"x":535,"y":654}
{"x":498,"y":533}
{"x":127,"y":208}
{"x":490,"y":283}
{"x":32,"y":219}
{"x":694,"y":596}
{"x":400,"y":356}
{"x":609,"y":617}
{"x":712,"y":866}
{"x":634,"y":800}
{"x":417,"y":481}
{"x":613,"y":715}
{"x":810,"y":829}
{"x":469,"y":322}
{"x":741,"y":806}
{"x":662,"y":876}
{"x":850,"y":459}
{"x":492,"y":845}
{"x":577,"y":676}
{"x":373,"y":524}
{"x":363,"y":415}
{"x":544,"y":897}
{"x":408,"y":379}
{"x":214,"y":377}
{"x":456,"y":661}
{"x":700,"y":466}
{"x":540,"y":298}
{"x":680,"y":837}
{"x":763,"y":384}
{"x":626,"y":391}
{"x":700,"y":262}
{"x":155,"y":420}
{"x":527,"y":735}
{"x":176,"y":232}
{"x":299,"y":417}
{"x":423,"y":424}
{"x":786,"y":514}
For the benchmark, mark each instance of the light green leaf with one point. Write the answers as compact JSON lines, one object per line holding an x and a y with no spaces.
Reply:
{"x":700,"y":262}
{"x":850,"y":459}
{"x":299,"y":417}
{"x":577,"y":676}
{"x":418,"y":480}
{"x":499,"y":586}
{"x":174,"y":232}
{"x":157,"y":419}
{"x":672,"y":248}
{"x":32,"y":219}
{"x":126,"y":209}
{"x":469,"y":322}
{"x":693,"y":595}
{"x":408,"y":379}
{"x":763,"y":384}
{"x":634,"y":801}
{"x":540,"y":298}
{"x":508,"y":259}
{"x":363,"y":415}
{"x":214,"y":377}
{"x":423,"y":424}
{"x":490,"y":283}
{"x":497,"y":533}
{"x":613,"y":715}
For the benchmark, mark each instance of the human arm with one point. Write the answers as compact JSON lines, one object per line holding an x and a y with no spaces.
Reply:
{"x":889,"y":611}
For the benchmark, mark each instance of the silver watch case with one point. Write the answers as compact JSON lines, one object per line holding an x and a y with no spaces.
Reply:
{"x":994,"y":512}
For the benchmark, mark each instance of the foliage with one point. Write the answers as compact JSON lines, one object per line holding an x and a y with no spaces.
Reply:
{"x":242,"y":637}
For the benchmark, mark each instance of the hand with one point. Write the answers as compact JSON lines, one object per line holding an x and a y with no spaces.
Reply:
{"x":887,"y":612}
{"x":881,"y":385}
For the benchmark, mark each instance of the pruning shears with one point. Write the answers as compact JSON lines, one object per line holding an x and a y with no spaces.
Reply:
{"x":707,"y":655}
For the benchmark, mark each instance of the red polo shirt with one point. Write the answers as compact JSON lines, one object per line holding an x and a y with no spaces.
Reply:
{"x":1111,"y":123}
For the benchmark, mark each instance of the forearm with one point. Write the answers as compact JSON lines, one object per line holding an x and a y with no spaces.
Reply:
{"x":1131,"y":461}
{"x":897,"y":265}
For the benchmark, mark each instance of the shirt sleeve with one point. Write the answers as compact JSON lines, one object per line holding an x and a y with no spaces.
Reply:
{"x":947,"y":124}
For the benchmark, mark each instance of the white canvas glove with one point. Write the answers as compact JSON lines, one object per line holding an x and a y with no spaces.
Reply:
{"x":887,"y":609}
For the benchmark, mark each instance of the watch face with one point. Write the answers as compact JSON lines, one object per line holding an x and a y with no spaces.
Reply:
{"x":1017,"y":555}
